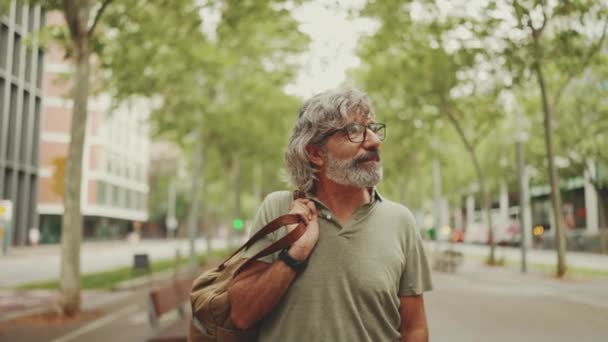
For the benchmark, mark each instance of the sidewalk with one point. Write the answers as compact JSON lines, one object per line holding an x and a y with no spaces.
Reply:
{"x":15,"y":304}
{"x":590,"y":261}
{"x":19,"y":303}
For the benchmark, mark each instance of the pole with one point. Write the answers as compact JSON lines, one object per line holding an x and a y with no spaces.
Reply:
{"x":257,"y":189}
{"x":523,"y":201}
{"x":171,"y":220}
{"x":194,"y":206}
{"x":437,"y":199}
{"x":171,"y":210}
{"x":6,"y":238}
{"x":237,"y":198}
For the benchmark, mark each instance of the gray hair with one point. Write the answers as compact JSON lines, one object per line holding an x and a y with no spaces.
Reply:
{"x":323,"y":112}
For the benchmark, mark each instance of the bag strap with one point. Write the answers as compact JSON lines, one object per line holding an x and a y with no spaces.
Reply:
{"x":273,"y":225}
{"x":283,"y":243}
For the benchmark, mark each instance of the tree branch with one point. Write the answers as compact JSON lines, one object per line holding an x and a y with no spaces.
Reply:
{"x":456,"y":125}
{"x":98,"y":15}
{"x":518,"y":14}
{"x":483,"y":130}
{"x":545,"y":19}
{"x":70,"y":12}
{"x":520,"y":11}
{"x":592,"y":52}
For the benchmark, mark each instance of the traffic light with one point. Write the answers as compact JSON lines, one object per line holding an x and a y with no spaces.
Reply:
{"x":432,"y":233}
{"x":238,"y":224}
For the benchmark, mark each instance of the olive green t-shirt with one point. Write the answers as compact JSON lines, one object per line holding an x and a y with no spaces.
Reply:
{"x":355,"y":275}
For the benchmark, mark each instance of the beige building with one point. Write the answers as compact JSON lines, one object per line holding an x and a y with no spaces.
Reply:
{"x":115,"y":165}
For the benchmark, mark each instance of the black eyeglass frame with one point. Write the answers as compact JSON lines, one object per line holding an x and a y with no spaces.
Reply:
{"x":375,"y":127}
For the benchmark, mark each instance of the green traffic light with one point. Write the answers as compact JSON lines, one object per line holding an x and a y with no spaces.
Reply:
{"x":238,"y":224}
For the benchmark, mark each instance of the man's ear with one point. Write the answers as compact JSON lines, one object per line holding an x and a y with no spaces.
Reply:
{"x":315,"y":155}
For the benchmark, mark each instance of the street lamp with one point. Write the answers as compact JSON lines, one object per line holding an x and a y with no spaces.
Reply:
{"x":520,"y":127}
{"x":171,"y":220}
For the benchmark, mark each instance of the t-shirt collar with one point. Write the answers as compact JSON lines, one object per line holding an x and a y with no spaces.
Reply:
{"x":375,"y":196}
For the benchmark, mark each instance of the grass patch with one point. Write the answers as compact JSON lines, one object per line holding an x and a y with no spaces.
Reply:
{"x":544,"y":268}
{"x":571,"y":271}
{"x":105,"y":280}
{"x":498,"y":262}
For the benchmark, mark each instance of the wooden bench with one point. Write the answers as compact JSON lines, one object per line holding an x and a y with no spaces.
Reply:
{"x":167,"y":298}
{"x":448,"y":260}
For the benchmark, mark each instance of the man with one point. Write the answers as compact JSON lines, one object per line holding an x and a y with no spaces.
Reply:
{"x":359,"y":271}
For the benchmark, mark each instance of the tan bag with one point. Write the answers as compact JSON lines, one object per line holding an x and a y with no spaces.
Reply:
{"x":209,"y":295}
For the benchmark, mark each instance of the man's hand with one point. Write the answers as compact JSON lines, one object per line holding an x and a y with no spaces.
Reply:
{"x":306,"y":209}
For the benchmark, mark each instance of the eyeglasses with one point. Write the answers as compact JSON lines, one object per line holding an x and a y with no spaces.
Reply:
{"x":357,"y":133}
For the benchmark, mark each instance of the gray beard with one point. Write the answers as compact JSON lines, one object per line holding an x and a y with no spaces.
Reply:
{"x":352,"y":173}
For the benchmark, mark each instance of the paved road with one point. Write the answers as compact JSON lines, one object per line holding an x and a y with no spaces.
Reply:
{"x":29,"y":264}
{"x":483,"y":304}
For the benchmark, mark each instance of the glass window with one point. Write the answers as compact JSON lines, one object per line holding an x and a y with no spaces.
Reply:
{"x":116,"y":196}
{"x":3,"y":45}
{"x":101,"y":193}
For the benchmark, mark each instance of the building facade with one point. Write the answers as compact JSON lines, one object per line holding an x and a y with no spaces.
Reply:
{"x":21,"y":98}
{"x":115,"y":165}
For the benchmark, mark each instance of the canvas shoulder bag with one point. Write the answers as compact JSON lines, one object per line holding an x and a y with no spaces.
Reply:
{"x":209,"y":295}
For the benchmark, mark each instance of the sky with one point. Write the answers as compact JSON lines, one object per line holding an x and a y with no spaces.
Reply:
{"x":334,"y":36}
{"x":333,"y":33}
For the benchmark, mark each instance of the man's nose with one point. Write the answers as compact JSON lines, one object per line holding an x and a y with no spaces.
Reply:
{"x":371,"y":140}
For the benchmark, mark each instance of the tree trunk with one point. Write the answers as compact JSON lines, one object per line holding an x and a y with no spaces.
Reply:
{"x":193,"y":217}
{"x":487,"y":206}
{"x":208,"y":232}
{"x":237,"y":195}
{"x":72,"y":219}
{"x":603,"y":229}
{"x":485,"y":198}
{"x":556,"y":200}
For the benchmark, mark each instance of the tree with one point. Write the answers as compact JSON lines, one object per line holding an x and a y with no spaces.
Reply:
{"x":551,"y":43}
{"x":582,"y":122}
{"x":227,"y":84}
{"x":550,"y":37}
{"x":409,"y":64}
{"x":82,"y":18}
{"x":173,"y":61}
{"x":88,"y":25}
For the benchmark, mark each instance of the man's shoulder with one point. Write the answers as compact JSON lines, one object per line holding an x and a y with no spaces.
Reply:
{"x":278,"y":197}
{"x":277,"y":203}
{"x":397,"y":209}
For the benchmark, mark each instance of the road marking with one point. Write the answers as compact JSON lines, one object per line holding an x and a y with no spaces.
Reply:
{"x":98,"y":323}
{"x":138,"y":318}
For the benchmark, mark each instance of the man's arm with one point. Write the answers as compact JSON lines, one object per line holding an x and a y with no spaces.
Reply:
{"x":413,"y":319}
{"x":260,"y":286}
{"x":257,"y":290}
